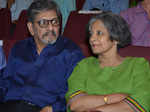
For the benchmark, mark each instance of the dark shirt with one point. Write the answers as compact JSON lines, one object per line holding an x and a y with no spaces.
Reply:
{"x":40,"y":79}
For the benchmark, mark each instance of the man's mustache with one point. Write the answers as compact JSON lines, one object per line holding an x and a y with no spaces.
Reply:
{"x":49,"y":32}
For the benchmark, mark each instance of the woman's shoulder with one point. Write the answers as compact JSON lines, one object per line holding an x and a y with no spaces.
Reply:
{"x":137,"y":61}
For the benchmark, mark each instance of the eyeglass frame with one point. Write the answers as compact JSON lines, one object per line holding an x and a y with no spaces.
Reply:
{"x":48,"y":22}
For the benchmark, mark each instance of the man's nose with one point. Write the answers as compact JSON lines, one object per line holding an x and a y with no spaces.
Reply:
{"x":50,"y":26}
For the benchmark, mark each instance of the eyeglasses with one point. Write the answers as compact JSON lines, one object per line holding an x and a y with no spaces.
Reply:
{"x":43,"y":23}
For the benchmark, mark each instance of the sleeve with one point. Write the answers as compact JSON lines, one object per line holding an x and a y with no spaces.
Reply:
{"x":73,"y":57}
{"x":140,"y":96}
{"x":4,"y":75}
{"x":76,"y":81}
{"x":59,"y":106}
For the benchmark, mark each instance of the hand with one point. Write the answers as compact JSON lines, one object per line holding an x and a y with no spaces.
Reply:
{"x":114,"y":98}
{"x":47,"y":109}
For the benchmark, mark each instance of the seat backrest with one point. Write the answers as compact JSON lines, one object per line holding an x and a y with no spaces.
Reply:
{"x":79,"y":4}
{"x":7,"y":45}
{"x":136,"y":51}
{"x":5,"y":23}
{"x":76,"y":30}
{"x":21,"y":31}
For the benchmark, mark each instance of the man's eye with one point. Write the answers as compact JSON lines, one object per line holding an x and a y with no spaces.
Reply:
{"x":43,"y":22}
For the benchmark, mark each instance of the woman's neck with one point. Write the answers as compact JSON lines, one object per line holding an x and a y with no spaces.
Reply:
{"x":110,"y":60}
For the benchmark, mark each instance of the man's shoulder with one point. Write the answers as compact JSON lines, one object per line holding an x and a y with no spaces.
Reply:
{"x":22,"y":45}
{"x":24,"y":42}
{"x":69,"y":44}
{"x":70,"y":49}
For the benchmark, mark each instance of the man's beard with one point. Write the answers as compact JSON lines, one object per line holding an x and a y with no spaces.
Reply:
{"x":48,"y":39}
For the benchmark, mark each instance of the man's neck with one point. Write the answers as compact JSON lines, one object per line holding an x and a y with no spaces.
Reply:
{"x":39,"y":45}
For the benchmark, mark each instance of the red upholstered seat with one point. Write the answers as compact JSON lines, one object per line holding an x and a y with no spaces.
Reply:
{"x":75,"y":30}
{"x":136,"y":51}
{"x":5,"y":23}
{"x":79,"y":4}
{"x":20,"y":32}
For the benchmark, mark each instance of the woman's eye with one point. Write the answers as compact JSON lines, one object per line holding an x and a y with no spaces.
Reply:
{"x":99,"y":33}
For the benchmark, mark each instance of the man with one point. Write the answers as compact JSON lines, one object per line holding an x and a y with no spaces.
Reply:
{"x":138,"y":18}
{"x":38,"y":67}
{"x":107,"y":5}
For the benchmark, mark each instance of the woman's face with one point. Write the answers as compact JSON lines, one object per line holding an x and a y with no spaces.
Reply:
{"x":99,"y":39}
{"x":147,"y":1}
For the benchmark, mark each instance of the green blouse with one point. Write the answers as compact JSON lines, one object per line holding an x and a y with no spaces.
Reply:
{"x":131,"y":77}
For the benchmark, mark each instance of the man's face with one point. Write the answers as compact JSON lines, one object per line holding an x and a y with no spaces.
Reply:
{"x":45,"y":27}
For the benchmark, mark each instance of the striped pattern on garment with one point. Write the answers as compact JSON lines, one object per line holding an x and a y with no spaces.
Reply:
{"x":134,"y":104}
{"x":76,"y":93}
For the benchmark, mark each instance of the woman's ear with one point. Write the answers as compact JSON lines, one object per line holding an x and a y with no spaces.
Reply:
{"x":115,"y":42}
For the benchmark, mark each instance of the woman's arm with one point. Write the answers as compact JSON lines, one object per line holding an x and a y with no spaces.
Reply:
{"x":121,"y":106}
{"x":87,"y":102}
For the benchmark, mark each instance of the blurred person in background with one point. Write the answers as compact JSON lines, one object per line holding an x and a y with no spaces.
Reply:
{"x":138,"y":18}
{"x":106,"y":5}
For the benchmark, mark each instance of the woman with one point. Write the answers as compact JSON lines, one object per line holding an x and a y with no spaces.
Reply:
{"x":109,"y":83}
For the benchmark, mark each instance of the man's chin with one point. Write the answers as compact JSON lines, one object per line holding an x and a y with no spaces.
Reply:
{"x":49,"y":41}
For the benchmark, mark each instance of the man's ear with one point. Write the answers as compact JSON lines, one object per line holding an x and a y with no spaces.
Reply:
{"x":30,"y":28}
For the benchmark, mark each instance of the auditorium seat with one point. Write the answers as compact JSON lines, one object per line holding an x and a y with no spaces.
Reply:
{"x":20,"y":32}
{"x":5,"y":23}
{"x":75,"y":30}
{"x":136,"y":51}
{"x":79,"y":4}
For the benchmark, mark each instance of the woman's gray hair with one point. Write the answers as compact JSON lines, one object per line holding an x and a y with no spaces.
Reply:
{"x":116,"y":26}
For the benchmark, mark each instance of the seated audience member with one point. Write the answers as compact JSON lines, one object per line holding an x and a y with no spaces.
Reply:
{"x":17,"y":7}
{"x":106,"y":5}
{"x":2,"y":59}
{"x":2,"y":66}
{"x":109,"y":82}
{"x":66,"y":6}
{"x":3,"y":4}
{"x":35,"y":78}
{"x":138,"y":19}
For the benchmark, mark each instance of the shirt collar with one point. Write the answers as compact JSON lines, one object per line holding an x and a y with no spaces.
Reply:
{"x":52,"y":49}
